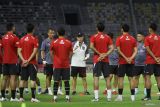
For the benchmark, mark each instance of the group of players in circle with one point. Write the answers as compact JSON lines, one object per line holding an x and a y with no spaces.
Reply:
{"x":113,"y":57}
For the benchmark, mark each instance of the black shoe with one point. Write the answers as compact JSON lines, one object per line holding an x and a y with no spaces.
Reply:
{"x":68,"y":100}
{"x":146,"y":99}
{"x":74,"y":93}
{"x":45,"y":91}
{"x":87,"y":93}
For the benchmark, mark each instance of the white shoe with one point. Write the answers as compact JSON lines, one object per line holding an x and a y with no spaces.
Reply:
{"x":50,"y":92}
{"x":119,"y":99}
{"x":14,"y":100}
{"x":3,"y":99}
{"x":21,"y":100}
{"x":95,"y":100}
{"x":35,"y":100}
{"x":132,"y":97}
{"x":60,"y":92}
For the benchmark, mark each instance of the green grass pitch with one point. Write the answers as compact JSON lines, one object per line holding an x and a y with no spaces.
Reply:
{"x":85,"y":101}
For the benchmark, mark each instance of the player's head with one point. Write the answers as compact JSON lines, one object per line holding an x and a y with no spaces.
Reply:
{"x":61,"y":31}
{"x":152,"y":28}
{"x":125,"y":28}
{"x":10,"y":27}
{"x":30,"y":28}
{"x":80,"y":37}
{"x":110,"y":34}
{"x":100,"y":27}
{"x":51,"y":33}
{"x":140,"y":37}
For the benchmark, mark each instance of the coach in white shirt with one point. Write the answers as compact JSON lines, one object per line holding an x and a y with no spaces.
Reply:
{"x":78,"y":63}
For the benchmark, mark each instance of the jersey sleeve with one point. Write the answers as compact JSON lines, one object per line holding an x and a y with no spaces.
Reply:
{"x":146,"y":42}
{"x":134,"y":43}
{"x":20,"y":43}
{"x":110,"y":41}
{"x":36,"y":44}
{"x":92,"y":39}
{"x":17,"y":42}
{"x":71,"y":47}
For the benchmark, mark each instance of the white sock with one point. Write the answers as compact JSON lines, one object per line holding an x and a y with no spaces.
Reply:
{"x":49,"y":88}
{"x":132,"y":97}
{"x":136,"y":89}
{"x":67,"y":96}
{"x":39,"y":87}
{"x":96,"y":94}
{"x":55,"y":97}
{"x":59,"y":89}
{"x":109,"y":93}
{"x":26,"y":89}
{"x":106,"y":89}
{"x":120,"y":96}
{"x":17,"y":89}
{"x":145,"y":93}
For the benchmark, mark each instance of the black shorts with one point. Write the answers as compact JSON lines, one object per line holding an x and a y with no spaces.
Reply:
{"x":152,"y":69}
{"x":10,"y":69}
{"x":101,"y":68}
{"x":48,"y":69}
{"x":138,"y":70}
{"x":113,"y":69}
{"x":61,"y":74}
{"x":29,"y":71}
{"x":1,"y":68}
{"x":81,"y":71}
{"x":125,"y":69}
{"x":19,"y":69}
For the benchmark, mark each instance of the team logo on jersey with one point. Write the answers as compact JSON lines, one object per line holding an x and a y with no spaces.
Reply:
{"x":6,"y":37}
{"x":26,"y":39}
{"x":155,"y":38}
{"x":61,"y":42}
{"x":102,"y":37}
{"x":127,"y":38}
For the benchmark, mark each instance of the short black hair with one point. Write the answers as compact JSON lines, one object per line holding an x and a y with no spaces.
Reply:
{"x":30,"y":28}
{"x":80,"y":34}
{"x":125,"y":27}
{"x":100,"y":27}
{"x":111,"y":35}
{"x":61,"y":31}
{"x":153,"y":26}
{"x":140,"y":32}
{"x":9,"y":26}
{"x":50,"y":29}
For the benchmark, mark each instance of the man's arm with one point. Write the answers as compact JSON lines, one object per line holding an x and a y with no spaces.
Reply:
{"x":121,"y":53}
{"x":33,"y":54}
{"x":151,"y":53}
{"x":134,"y":54}
{"x":103,"y":55}
{"x":42,"y":54}
{"x":20,"y":54}
{"x":94,"y":49}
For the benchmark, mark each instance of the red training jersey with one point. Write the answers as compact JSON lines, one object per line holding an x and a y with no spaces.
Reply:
{"x":61,"y":48}
{"x":101,"y":42}
{"x":27,"y":44}
{"x":10,"y":44}
{"x":127,"y":43}
{"x":153,"y":42}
